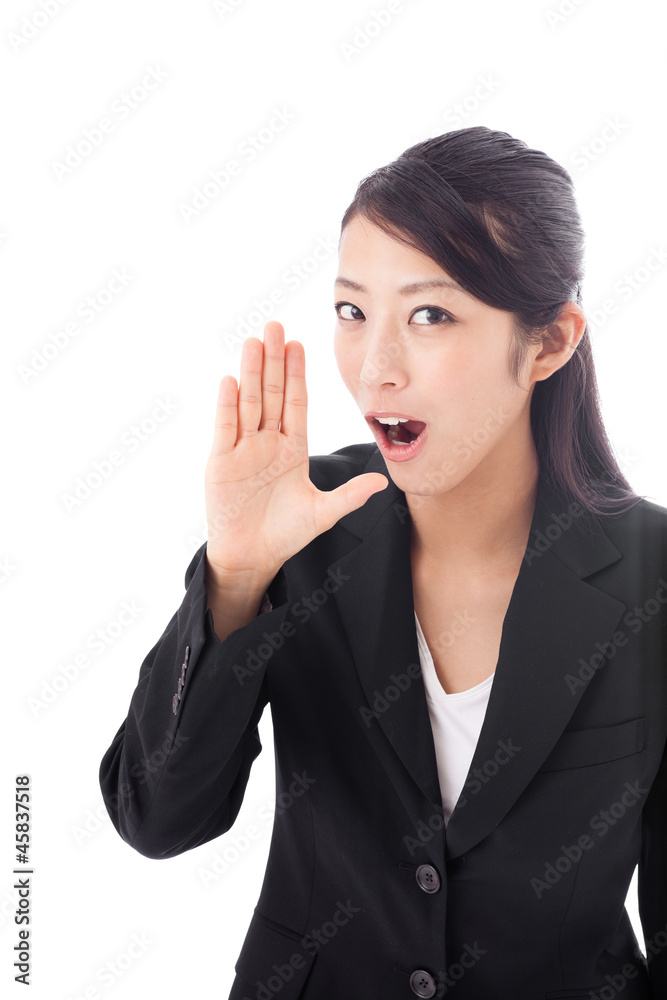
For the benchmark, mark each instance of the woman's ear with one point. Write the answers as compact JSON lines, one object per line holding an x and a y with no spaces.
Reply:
{"x":559,"y":342}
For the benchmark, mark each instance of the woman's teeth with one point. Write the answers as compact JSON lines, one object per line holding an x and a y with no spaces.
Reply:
{"x":395,"y":432}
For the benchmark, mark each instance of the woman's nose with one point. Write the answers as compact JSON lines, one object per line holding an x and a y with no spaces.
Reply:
{"x":383,"y":361}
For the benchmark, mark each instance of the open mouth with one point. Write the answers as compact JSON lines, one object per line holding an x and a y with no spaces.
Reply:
{"x":403,"y":433}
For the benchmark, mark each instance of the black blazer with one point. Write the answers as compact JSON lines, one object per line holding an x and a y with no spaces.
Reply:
{"x":365,"y":894}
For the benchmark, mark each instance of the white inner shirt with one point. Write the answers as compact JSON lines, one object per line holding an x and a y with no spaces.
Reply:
{"x":456,"y":721}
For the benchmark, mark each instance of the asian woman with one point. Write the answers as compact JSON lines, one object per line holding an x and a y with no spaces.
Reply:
{"x":460,"y":627}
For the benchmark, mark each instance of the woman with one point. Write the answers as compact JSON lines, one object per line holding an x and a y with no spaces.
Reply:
{"x":456,"y":814}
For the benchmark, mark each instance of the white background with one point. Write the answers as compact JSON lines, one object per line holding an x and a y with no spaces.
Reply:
{"x":553,"y":80}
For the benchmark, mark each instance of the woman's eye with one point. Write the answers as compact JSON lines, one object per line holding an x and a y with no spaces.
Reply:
{"x":347,"y":305}
{"x":440,"y":314}
{"x":434,"y":315}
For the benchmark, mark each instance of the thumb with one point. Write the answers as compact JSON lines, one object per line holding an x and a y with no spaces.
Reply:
{"x":335,"y":504}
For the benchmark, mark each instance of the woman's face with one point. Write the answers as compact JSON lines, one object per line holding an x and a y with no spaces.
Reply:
{"x":435,"y":354}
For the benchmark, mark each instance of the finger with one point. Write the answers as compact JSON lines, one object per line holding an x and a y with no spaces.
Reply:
{"x":273,"y":376}
{"x":250,"y":387}
{"x":295,"y":404}
{"x":334,"y":504}
{"x":224,"y":433}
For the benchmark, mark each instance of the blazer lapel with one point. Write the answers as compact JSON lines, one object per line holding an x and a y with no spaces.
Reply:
{"x":553,"y":622}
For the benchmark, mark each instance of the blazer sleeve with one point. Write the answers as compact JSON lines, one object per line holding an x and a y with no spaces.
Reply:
{"x":176,"y":771}
{"x":652,"y":881}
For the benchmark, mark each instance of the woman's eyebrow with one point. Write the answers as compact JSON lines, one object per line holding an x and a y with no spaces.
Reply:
{"x":410,"y":289}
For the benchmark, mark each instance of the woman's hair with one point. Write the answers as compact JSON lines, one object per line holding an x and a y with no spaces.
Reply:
{"x":502,"y":220}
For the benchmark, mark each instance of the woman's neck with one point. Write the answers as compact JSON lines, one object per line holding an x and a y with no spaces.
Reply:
{"x":476,"y":526}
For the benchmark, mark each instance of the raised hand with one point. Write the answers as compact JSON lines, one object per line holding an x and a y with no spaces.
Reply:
{"x":261,"y":505}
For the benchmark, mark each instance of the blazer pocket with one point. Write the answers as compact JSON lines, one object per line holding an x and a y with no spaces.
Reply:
{"x":584,"y":747}
{"x":272,"y":955}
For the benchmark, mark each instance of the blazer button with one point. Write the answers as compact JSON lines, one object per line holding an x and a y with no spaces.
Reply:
{"x":422,"y":983}
{"x":427,"y":879}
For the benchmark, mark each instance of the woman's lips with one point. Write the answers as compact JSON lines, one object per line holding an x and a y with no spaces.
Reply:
{"x":397,"y":452}
{"x":400,"y":430}
{"x":370,"y":414}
